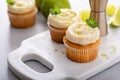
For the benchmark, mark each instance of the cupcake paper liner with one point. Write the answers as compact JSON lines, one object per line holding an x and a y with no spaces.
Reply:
{"x":81,"y":55}
{"x":57,"y":34}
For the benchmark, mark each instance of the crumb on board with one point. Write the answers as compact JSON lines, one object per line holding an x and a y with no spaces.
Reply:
{"x":49,"y":51}
{"x":55,"y":50}
{"x":113,"y":49}
{"x":105,"y":55}
{"x":62,"y":52}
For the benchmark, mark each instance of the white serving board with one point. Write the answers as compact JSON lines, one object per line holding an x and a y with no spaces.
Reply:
{"x":51,"y":54}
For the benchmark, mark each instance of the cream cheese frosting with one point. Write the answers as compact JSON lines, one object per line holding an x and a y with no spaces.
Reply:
{"x":82,"y":34}
{"x":62,"y":20}
{"x":21,"y":6}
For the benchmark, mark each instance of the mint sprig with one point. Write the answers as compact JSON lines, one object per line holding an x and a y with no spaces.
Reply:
{"x":91,"y":22}
{"x":55,"y":11}
{"x":10,"y":2}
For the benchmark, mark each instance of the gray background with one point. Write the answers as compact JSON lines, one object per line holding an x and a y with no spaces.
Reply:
{"x":11,"y":38}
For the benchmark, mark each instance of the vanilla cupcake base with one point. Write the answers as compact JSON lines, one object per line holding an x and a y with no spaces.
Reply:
{"x":57,"y":34}
{"x":23,"y":20}
{"x":79,"y":53}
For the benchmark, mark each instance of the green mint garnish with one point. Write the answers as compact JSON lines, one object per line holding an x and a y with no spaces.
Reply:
{"x":55,"y":11}
{"x":91,"y":22}
{"x":10,"y":2}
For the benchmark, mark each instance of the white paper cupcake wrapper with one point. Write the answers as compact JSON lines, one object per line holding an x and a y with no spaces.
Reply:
{"x":57,"y":35}
{"x":81,"y":55}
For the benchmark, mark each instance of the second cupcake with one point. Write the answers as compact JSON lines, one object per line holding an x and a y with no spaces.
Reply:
{"x":82,"y":41}
{"x":58,"y":21}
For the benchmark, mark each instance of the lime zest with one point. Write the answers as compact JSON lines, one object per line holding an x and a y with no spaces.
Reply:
{"x":91,"y":22}
{"x":55,"y":11}
{"x":10,"y":2}
{"x":79,"y":32}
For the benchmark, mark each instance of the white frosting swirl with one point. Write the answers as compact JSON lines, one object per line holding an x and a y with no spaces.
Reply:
{"x":62,"y":20}
{"x":21,"y":6}
{"x":82,"y":34}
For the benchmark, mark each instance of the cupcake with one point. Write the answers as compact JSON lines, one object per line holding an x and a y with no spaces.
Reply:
{"x":22,"y":13}
{"x":58,"y":21}
{"x":81,"y":42}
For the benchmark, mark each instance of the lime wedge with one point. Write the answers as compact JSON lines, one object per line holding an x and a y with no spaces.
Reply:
{"x":110,"y":10}
{"x":112,"y":24}
{"x":85,"y":14}
{"x":115,"y":19}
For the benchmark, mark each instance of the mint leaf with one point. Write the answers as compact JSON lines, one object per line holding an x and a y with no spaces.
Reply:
{"x":55,"y":11}
{"x":10,"y":2}
{"x":91,"y":22}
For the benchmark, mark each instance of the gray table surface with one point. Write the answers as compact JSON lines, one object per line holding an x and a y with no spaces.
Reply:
{"x":11,"y":38}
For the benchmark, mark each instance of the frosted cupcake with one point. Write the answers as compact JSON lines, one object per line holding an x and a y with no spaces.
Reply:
{"x":22,"y":13}
{"x":82,"y":42}
{"x":58,"y":21}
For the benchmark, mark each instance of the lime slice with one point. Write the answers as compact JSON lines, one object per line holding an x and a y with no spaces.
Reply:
{"x":85,"y":14}
{"x":38,"y":3}
{"x":115,"y":20}
{"x":110,"y":10}
{"x":112,"y":23}
{"x":48,"y":4}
